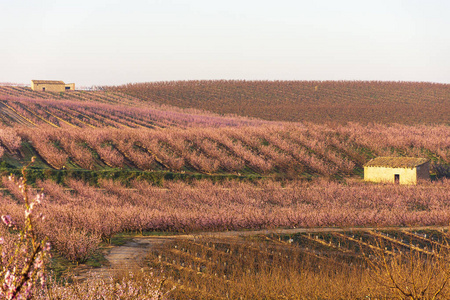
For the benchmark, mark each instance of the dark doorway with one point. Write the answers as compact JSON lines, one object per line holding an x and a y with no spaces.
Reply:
{"x":67,"y":87}
{"x":397,"y":178}
{"x":43,"y":89}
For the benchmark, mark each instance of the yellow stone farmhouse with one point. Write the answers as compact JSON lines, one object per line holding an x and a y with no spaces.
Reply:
{"x":51,"y":86}
{"x":400,"y":170}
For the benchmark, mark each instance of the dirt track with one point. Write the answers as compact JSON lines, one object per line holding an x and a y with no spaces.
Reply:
{"x":131,"y":255}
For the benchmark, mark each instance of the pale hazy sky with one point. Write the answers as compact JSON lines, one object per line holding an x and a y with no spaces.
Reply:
{"x":100,"y":42}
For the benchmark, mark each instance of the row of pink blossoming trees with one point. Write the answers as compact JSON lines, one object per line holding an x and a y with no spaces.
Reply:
{"x":80,"y":216}
{"x":299,"y":148}
{"x":25,"y":251}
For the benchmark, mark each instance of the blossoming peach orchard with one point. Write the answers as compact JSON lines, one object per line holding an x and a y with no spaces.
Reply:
{"x":22,"y":269}
{"x":22,"y":258}
{"x":104,"y":160}
{"x":269,"y":149}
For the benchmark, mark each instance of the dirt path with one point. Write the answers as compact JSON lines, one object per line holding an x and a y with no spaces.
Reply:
{"x":131,"y":255}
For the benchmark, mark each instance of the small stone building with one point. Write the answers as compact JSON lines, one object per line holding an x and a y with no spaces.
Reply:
{"x":400,"y":170}
{"x":51,"y":86}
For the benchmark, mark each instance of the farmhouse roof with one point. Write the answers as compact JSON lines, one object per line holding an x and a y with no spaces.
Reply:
{"x":396,"y":162}
{"x":47,"y":82}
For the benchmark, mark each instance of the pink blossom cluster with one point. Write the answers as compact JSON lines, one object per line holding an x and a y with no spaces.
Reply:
{"x":9,"y":141}
{"x":7,"y":220}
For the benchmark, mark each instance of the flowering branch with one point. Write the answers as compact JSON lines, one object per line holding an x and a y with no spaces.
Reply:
{"x":25,"y":267}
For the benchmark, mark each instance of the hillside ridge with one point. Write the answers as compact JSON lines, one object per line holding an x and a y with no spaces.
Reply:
{"x":300,"y":101}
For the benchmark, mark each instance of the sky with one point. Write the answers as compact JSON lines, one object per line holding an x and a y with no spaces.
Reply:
{"x":111,"y":42}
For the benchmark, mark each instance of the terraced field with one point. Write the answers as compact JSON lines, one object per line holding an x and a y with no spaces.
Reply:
{"x":104,"y":130}
{"x":92,"y":109}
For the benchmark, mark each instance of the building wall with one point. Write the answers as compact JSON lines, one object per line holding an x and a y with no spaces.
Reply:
{"x":423,"y":171}
{"x":383,"y":174}
{"x":48,"y":87}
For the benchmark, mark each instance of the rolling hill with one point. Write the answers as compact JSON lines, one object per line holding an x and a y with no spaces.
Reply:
{"x":311,"y":101}
{"x":114,"y":131}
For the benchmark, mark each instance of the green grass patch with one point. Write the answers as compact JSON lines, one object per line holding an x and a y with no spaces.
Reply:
{"x":124,"y":176}
{"x":62,"y":268}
